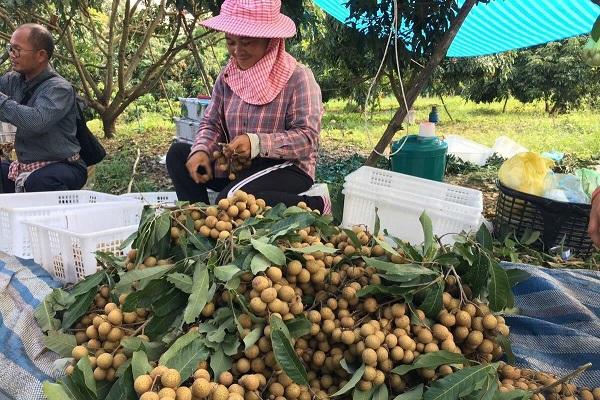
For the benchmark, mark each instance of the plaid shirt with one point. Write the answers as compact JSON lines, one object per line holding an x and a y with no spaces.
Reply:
{"x":288,"y":127}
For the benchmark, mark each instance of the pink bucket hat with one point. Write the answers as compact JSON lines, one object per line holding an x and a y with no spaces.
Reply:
{"x":252,"y":18}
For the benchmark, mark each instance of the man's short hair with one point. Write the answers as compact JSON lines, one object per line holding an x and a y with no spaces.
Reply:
{"x":40,"y":38}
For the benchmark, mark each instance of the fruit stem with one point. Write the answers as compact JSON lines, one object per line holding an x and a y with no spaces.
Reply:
{"x":565,"y":378}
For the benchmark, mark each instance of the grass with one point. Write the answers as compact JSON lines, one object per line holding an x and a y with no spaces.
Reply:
{"x":577,"y":133}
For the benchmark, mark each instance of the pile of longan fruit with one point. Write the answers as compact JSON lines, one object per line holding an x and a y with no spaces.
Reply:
{"x":232,"y":164}
{"x":99,"y":334}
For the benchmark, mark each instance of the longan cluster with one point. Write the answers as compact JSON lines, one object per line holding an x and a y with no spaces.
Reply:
{"x":161,"y":383}
{"x":512,"y":378}
{"x":149,"y":262}
{"x":219,"y":221}
{"x":272,"y":294}
{"x":232,"y":164}
{"x":99,"y":334}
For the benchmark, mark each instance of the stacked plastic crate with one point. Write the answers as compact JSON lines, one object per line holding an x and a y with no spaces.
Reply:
{"x":192,"y":110}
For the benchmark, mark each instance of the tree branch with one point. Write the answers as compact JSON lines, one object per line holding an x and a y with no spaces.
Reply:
{"x":110,"y":70}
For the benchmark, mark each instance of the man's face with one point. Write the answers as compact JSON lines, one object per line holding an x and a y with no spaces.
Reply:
{"x":23,"y":56}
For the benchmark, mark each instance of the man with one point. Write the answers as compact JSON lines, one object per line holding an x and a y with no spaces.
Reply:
{"x":41,"y":104}
{"x":594,"y":226}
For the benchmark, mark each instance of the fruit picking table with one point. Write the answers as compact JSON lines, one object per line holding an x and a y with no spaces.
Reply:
{"x":558,"y":328}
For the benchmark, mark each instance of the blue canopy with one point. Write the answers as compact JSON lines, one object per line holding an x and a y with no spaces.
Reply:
{"x":503,"y":25}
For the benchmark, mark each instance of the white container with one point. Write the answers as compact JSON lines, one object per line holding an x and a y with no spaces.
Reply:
{"x":193,"y":108}
{"x":379,"y":179}
{"x":400,"y":200}
{"x":468,"y":150}
{"x":186,"y":129}
{"x":164,"y":198}
{"x":15,"y":208}
{"x":6,"y":128}
{"x":506,"y":147}
{"x":64,"y":244}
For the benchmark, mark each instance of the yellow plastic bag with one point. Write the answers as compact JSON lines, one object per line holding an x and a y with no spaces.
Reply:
{"x":525,"y":172}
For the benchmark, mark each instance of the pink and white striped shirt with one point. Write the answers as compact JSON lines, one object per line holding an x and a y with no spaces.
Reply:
{"x":288,"y":127}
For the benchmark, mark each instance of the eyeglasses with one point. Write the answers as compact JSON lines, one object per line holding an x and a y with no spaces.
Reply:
{"x":17,"y":52}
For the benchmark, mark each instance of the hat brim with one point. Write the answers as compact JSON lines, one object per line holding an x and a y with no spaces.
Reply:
{"x":284,"y":27}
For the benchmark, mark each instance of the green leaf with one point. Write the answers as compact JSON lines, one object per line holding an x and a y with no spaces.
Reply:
{"x":516,"y":394}
{"x":478,"y":273}
{"x":284,"y":352}
{"x":219,"y":362}
{"x":178,"y":345}
{"x":75,"y":387}
{"x":414,"y":394}
{"x":160,"y":325}
{"x":498,"y":288}
{"x":123,"y":368}
{"x":460,"y":383}
{"x":226,"y":272}
{"x":44,"y":315}
{"x":231,"y":345}
{"x":360,"y":395}
{"x":272,"y":253}
{"x":386,"y":246}
{"x":153,"y":349}
{"x":298,"y":326}
{"x":516,"y":276}
{"x":432,"y":305}
{"x":529,"y":237}
{"x":181,"y":281}
{"x":431,"y":360}
{"x":155,"y":292}
{"x":381,"y":393}
{"x":313,"y":249}
{"x":427,"y":232}
{"x":199,"y":296}
{"x":60,"y":343}
{"x":377,"y":226}
{"x":504,"y":342}
{"x":78,"y":309}
{"x":352,"y":382}
{"x":484,"y":238}
{"x":85,"y":368}
{"x":146,"y":275}
{"x":259,"y":263}
{"x":55,"y":391}
{"x":123,"y":388}
{"x":353,"y":238}
{"x":185,"y":353}
{"x":200,"y":243}
{"x":410,"y":271}
{"x":447,"y":259}
{"x":131,"y":343}
{"x":253,"y":337}
{"x":90,"y":283}
{"x":140,"y":364}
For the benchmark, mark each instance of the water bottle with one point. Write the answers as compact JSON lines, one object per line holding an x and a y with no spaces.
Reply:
{"x":433,"y":115}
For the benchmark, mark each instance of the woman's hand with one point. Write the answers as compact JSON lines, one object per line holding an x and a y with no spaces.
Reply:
{"x":197,"y":160}
{"x":240,"y":146}
{"x":594,"y":225}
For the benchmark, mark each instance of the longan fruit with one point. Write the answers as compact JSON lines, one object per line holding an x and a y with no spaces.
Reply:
{"x":292,"y":391}
{"x":294,"y":267}
{"x":201,"y":388}
{"x":168,"y":393}
{"x":149,"y":396}
{"x":475,"y":338}
{"x":461,"y":333}
{"x":369,"y":374}
{"x":424,"y":336}
{"x":79,"y":352}
{"x":99,"y":374}
{"x":486,"y":346}
{"x":268,"y":295}
{"x":69,"y":370}
{"x":104,"y":329}
{"x":490,"y":322}
{"x":397,"y":353}
{"x":260,"y":283}
{"x":405,"y":342}
{"x":220,"y":392}
{"x":115,"y":317}
{"x":447,"y":319}
{"x":257,"y":305}
{"x":431,"y":348}
{"x":170,"y":378}
{"x":369,"y":357}
{"x":274,"y":273}
{"x":104,"y":361}
{"x":158,"y":371}
{"x":202,"y":373}
{"x":250,"y":382}
{"x":286,"y":293}
{"x":463,"y":318}
{"x":372,"y":342}
{"x":370,"y":305}
{"x":82,"y":337}
{"x":364,"y":386}
{"x":115,"y":335}
{"x":348,"y":337}
{"x":225,"y":378}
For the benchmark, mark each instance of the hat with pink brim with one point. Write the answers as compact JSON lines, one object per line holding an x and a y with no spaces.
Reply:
{"x":252,"y":18}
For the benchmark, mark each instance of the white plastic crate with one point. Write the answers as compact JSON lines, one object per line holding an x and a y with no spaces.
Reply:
{"x":385,"y":181}
{"x":15,"y":208}
{"x":186,"y":129}
{"x":64,"y":245}
{"x":164,"y":198}
{"x":452,"y":209}
{"x":468,"y":150}
{"x":193,"y":108}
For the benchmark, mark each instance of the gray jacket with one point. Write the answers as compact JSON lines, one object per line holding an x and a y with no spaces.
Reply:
{"x":46,"y":125}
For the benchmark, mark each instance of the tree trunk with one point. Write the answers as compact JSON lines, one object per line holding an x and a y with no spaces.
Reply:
{"x":419,"y":82}
{"x":504,"y":107}
{"x":446,"y":108}
{"x":109,"y":121}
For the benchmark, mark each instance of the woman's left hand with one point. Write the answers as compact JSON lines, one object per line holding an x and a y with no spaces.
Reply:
{"x":240,"y":146}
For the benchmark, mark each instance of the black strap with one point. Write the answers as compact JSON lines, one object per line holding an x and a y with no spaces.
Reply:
{"x":29,"y":91}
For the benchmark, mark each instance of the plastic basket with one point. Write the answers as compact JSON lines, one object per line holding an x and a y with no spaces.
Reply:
{"x":193,"y":108}
{"x":379,"y":180}
{"x":64,"y":245}
{"x":186,"y":129}
{"x":164,"y":198}
{"x":560,"y":224}
{"x":15,"y":208}
{"x":452,"y":209}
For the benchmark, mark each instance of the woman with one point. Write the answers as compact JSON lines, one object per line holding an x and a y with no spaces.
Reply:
{"x":265,"y":105}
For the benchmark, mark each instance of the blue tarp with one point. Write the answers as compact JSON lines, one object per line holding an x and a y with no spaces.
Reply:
{"x":503,"y":25}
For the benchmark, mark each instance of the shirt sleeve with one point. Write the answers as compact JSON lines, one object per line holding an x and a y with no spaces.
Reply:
{"x":302,"y":120}
{"x":49,"y":107}
{"x":211,"y":126}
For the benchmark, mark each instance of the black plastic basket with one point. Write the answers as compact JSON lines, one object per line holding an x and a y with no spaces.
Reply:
{"x":560,"y":224}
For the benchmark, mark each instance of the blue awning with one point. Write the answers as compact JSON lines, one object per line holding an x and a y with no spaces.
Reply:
{"x":503,"y":25}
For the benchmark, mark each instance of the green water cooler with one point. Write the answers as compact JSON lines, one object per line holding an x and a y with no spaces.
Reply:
{"x":422,"y":155}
